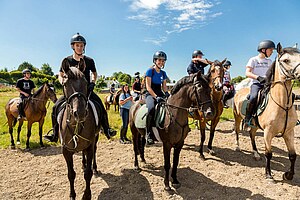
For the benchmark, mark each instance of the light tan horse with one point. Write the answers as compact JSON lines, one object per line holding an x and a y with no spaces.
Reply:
{"x":279,"y":116}
{"x":215,"y":76}
{"x":35,"y":111}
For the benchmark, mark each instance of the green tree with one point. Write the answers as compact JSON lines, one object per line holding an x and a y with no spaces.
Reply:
{"x":27,"y":65}
{"x":237,"y":79}
{"x":46,"y":69}
{"x":4,"y":70}
{"x":100,"y":83}
{"x":124,"y":78}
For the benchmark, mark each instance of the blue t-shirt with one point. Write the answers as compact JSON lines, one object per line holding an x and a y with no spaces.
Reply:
{"x":128,"y":104}
{"x":156,"y":78}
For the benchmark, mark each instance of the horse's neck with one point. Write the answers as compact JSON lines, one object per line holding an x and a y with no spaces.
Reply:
{"x":216,"y":95}
{"x":281,"y":89}
{"x":40,"y":100}
{"x":180,"y":99}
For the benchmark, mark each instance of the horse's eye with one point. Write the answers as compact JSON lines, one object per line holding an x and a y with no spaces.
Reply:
{"x":286,"y":61}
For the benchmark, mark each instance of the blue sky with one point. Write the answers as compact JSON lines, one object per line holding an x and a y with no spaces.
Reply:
{"x":122,"y":35}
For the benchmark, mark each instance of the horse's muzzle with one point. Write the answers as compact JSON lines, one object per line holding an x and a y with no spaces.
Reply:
{"x":208,"y":113}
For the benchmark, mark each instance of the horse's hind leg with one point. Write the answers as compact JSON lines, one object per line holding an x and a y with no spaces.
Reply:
{"x":71,"y":173}
{"x":175,"y":182}
{"x":211,"y":135}
{"x":135,"y":141}
{"x":289,"y":141}
{"x":88,"y":173}
{"x":29,"y":125}
{"x":19,"y":131}
{"x":167,"y":165}
{"x":202,"y":140}
{"x":237,"y":125}
{"x":253,"y":143}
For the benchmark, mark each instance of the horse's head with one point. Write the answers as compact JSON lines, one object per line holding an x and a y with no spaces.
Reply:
{"x":50,"y":92}
{"x":289,"y":62}
{"x":75,"y":91}
{"x":216,"y":74}
{"x":202,"y":95}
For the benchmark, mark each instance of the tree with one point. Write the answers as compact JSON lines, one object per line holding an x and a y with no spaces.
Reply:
{"x":46,"y":69}
{"x":124,"y":78}
{"x":26,"y":65}
{"x":237,"y":79}
{"x":4,"y":70}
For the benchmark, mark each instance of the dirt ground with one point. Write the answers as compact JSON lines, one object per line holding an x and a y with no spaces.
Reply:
{"x":42,"y":173}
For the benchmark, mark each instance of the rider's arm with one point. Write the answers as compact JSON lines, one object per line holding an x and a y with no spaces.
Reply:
{"x":61,"y":77}
{"x":249,"y":73}
{"x":21,"y":92}
{"x":148,"y":86}
{"x":164,"y":86}
{"x":94,"y":77}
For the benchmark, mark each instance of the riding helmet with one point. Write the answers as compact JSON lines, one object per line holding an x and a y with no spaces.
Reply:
{"x":159,"y":55}
{"x":227,"y":63}
{"x":266,"y":44}
{"x":78,"y":38}
{"x":26,"y":71}
{"x":197,"y":53}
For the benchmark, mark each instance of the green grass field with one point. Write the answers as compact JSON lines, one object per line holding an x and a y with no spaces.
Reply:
{"x":114,"y":119}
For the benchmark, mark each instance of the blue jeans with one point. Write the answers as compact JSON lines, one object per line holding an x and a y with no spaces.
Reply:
{"x":124,"y":113}
{"x":255,"y":87}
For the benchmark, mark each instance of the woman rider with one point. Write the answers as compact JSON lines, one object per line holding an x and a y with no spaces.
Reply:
{"x":156,"y":85}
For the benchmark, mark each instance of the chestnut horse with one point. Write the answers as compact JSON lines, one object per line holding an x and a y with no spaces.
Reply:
{"x":78,"y":128}
{"x":190,"y":90}
{"x":115,"y":100}
{"x":279,"y":117}
{"x":35,"y":111}
{"x":215,"y":77}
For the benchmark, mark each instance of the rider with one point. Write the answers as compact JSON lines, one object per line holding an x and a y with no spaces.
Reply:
{"x":137,"y":86}
{"x":112,"y":91}
{"x":229,"y":90}
{"x":197,"y":63}
{"x":156,"y":85}
{"x":25,"y":87}
{"x":256,"y":69}
{"x":78,"y":44}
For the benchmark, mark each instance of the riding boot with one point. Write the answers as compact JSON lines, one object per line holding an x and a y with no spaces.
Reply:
{"x":20,"y":109}
{"x":249,"y":113}
{"x":224,"y":101}
{"x":149,"y":140}
{"x":54,"y":136}
{"x":125,"y":137}
{"x":108,"y":132}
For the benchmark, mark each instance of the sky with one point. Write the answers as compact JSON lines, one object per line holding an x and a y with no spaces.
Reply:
{"x":123,"y":35}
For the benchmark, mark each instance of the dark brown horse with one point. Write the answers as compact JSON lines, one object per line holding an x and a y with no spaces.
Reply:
{"x":190,"y":90}
{"x":35,"y":111}
{"x":78,"y":127}
{"x":115,"y":101}
{"x":279,"y":117}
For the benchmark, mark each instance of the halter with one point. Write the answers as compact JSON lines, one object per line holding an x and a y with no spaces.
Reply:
{"x":289,"y":74}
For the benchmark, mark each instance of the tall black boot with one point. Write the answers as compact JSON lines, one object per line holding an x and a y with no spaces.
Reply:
{"x":20,"y":109}
{"x":225,"y":98}
{"x":249,"y":113}
{"x":149,"y":140}
{"x":108,"y":132}
{"x":54,"y":136}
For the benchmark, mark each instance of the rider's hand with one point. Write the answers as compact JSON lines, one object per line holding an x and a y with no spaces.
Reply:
{"x":167,"y":94}
{"x":261,"y":79}
{"x":91,"y":86}
{"x":160,"y":99}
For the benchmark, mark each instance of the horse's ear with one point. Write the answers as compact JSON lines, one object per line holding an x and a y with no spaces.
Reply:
{"x":223,"y":61}
{"x":279,"y":48}
{"x":65,"y":65}
{"x":81,"y":65}
{"x":209,"y":62}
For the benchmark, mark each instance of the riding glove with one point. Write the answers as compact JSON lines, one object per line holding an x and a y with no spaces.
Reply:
{"x":167,"y":94}
{"x":91,"y":86}
{"x":261,"y":79}
{"x":159,"y":99}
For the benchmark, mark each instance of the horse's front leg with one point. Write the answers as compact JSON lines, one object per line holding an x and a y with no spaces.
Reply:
{"x":29,"y":125}
{"x":19,"y":131}
{"x":253,"y":143}
{"x":289,"y":141}
{"x":88,"y":173}
{"x":214,"y":123}
{"x":95,"y":171}
{"x":11,"y":130}
{"x":202,"y":139}
{"x":136,"y":140}
{"x":41,"y":124}
{"x":268,"y":154}
{"x":237,"y":125}
{"x":167,"y":151}
{"x":71,"y":173}
{"x":175,"y":183}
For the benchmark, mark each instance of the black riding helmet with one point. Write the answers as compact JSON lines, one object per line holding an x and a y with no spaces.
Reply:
{"x":159,"y":55}
{"x":26,"y":71}
{"x":265,"y":44}
{"x":197,"y":53}
{"x":227,"y":63}
{"x":78,"y":38}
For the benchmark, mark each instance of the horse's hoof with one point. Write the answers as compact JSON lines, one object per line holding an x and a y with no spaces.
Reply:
{"x":202,"y":157}
{"x":270,"y":179}
{"x":27,"y":149}
{"x":237,"y":149}
{"x":176,"y":185}
{"x":288,"y":176}
{"x":168,"y":188}
{"x":95,"y":172}
{"x":18,"y":142}
{"x":13,"y":147}
{"x":137,"y":169}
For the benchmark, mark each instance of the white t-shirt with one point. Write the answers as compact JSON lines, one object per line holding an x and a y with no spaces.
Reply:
{"x":259,"y":66}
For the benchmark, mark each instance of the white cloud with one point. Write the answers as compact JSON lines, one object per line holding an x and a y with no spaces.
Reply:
{"x":156,"y":41}
{"x":171,"y":16}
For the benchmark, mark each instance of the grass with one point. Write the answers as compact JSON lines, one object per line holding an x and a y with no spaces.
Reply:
{"x":114,"y":119}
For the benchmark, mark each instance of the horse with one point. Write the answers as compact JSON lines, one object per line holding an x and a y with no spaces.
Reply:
{"x":279,"y":117}
{"x":215,"y":76}
{"x":115,"y":101}
{"x":78,"y":127}
{"x":188,"y":91}
{"x":35,"y":111}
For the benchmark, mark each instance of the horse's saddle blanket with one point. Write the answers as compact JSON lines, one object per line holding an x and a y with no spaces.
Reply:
{"x":159,"y":116}
{"x":63,"y":106}
{"x":262,"y":104}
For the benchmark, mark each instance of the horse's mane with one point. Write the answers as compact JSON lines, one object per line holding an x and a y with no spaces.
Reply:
{"x":74,"y":73}
{"x":181,"y":82}
{"x":271,"y":70}
{"x":38,"y":91}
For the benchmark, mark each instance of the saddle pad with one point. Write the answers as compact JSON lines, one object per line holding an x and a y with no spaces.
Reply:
{"x":262,"y":106}
{"x":160,"y":113}
{"x":244,"y":106}
{"x":140,"y":119}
